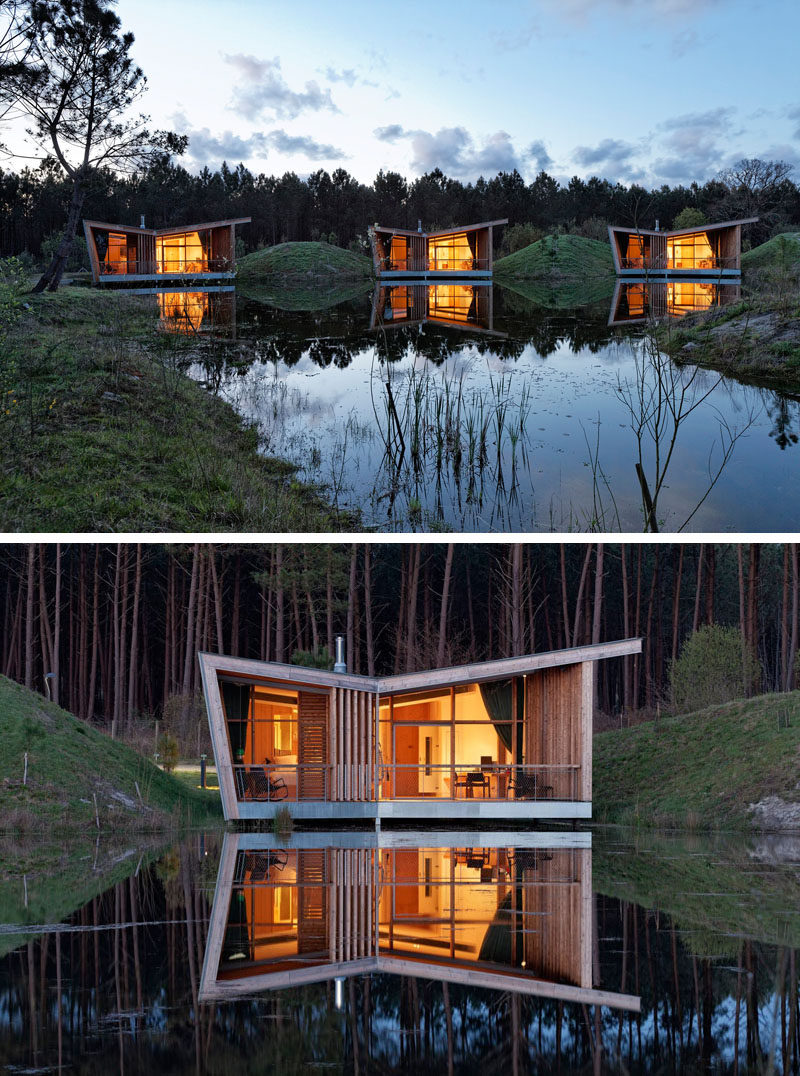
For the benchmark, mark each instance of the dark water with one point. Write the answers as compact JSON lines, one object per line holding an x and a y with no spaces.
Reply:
{"x":423,"y":953}
{"x":478,"y":408}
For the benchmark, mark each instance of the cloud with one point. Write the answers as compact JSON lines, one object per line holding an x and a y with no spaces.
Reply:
{"x":693,"y":144}
{"x":346,"y":75}
{"x":454,"y":151}
{"x":392,"y":133}
{"x":304,"y":146}
{"x":538,"y":155}
{"x":794,"y":116}
{"x":612,"y":158}
{"x":210,"y":149}
{"x":263,"y":89}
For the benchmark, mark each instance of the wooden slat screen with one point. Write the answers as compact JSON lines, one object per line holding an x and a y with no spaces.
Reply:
{"x":352,"y":745}
{"x":312,"y":734}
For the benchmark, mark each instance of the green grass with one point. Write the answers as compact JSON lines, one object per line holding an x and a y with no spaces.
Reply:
{"x":780,"y":252}
{"x":70,"y":763}
{"x":302,"y":259}
{"x":100,"y":430}
{"x":700,"y":771}
{"x":558,"y":256}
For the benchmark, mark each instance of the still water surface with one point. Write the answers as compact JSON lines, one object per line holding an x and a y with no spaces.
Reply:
{"x":442,"y":953}
{"x":477,"y":408}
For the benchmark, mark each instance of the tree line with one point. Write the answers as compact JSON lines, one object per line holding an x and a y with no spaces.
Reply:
{"x":119,"y":625}
{"x":337,"y":207}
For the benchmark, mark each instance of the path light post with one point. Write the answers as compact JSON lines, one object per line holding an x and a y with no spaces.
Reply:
{"x":203,"y":771}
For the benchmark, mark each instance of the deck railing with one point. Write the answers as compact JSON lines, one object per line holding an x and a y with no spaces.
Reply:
{"x":424,"y":265}
{"x":151,"y":266}
{"x":662,"y":264}
{"x":358,"y":782}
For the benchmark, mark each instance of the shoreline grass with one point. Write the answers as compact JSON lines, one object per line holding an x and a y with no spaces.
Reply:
{"x":63,"y":774}
{"x":701,"y":771}
{"x":101,"y":430}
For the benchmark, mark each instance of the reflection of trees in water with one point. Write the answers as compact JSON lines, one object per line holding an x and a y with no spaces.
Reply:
{"x":337,"y":336}
{"x":785,"y":413}
{"x":129,"y":978}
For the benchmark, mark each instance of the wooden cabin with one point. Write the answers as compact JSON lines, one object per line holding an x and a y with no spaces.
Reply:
{"x":455,"y":252}
{"x":714,"y":250}
{"x":509,"y":917}
{"x":122,"y":254}
{"x":636,"y":301}
{"x":496,"y":739}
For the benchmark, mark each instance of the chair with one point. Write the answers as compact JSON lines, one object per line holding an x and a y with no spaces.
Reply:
{"x":528,"y":786}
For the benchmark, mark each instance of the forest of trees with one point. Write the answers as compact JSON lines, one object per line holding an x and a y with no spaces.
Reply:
{"x":119,"y":625}
{"x":337,"y":207}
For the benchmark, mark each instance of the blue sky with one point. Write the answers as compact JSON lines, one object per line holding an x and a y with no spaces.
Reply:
{"x":662,"y":91}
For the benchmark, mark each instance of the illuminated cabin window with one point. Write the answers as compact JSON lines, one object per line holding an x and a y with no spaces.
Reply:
{"x":450,"y":252}
{"x":445,"y":745}
{"x":117,"y":254}
{"x":262,"y":723}
{"x":182,"y":311}
{"x":636,"y":300}
{"x":690,"y":252}
{"x":397,"y":306}
{"x":182,"y":253}
{"x":450,"y":302}
{"x":636,"y":252}
{"x":398,"y":253}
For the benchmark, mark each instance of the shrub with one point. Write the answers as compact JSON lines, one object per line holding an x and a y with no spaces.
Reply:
{"x":167,"y":751}
{"x":714,"y":666}
{"x":186,"y":719}
{"x":690,"y":217}
{"x":517,"y":237}
{"x":78,"y":256}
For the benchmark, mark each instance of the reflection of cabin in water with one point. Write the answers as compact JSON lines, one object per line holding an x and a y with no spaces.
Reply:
{"x":199,"y":310}
{"x":496,"y":739}
{"x":453,"y":304}
{"x":122,"y":254}
{"x":636,"y":301}
{"x":515,"y":918}
{"x":462,"y":252}
{"x":712,"y":250}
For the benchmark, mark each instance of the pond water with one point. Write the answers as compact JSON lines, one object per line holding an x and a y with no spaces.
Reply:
{"x":442,"y":952}
{"x":476,"y":408}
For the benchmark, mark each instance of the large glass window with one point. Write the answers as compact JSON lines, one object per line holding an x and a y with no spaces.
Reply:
{"x":448,"y":744}
{"x":262,"y":723}
{"x":690,"y":252}
{"x":451,"y":252}
{"x":186,"y":252}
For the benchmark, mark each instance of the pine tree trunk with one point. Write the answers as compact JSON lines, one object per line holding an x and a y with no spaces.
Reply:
{"x":51,"y":277}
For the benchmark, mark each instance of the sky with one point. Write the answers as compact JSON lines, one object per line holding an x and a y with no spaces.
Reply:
{"x":660,"y":91}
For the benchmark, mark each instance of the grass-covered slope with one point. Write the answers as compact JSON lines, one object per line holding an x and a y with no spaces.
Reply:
{"x":701,"y":770}
{"x":70,"y":763}
{"x":780,"y":252}
{"x":100,"y":430}
{"x":558,"y":256}
{"x":302,"y":260}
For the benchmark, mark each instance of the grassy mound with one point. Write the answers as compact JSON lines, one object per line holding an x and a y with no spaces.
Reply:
{"x":302,"y":260}
{"x":558,"y":256}
{"x":70,"y":763}
{"x":780,"y":252}
{"x":700,"y":770}
{"x":102,"y":431}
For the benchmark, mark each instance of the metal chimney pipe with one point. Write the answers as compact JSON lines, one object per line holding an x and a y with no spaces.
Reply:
{"x":141,"y":221}
{"x":657,"y":225}
{"x":419,"y":226}
{"x":340,"y":665}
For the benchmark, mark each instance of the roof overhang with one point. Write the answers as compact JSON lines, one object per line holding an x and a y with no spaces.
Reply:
{"x":474,"y":672}
{"x":669,"y":233}
{"x":129,"y":229}
{"x":440,"y":232}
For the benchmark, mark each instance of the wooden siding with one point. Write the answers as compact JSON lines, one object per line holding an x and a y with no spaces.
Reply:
{"x":351,"y":918}
{"x":554,"y":903}
{"x":558,"y":713}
